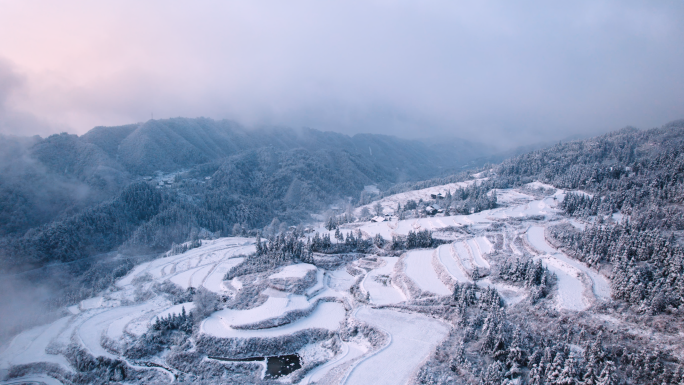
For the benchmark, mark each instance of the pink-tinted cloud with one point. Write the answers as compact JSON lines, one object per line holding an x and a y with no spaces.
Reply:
{"x":489,"y":70}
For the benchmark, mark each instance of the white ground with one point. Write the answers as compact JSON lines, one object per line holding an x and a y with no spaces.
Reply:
{"x":277,"y":304}
{"x":294,"y":271}
{"x":340,"y":280}
{"x":572,"y":293}
{"x":349,"y":352}
{"x":104,"y":315}
{"x":34,"y":379}
{"x":419,"y":269}
{"x":327,"y":315}
{"x":382,"y":294}
{"x":451,"y":263}
{"x":474,"y":245}
{"x":413,"y":337}
{"x":30,"y":345}
{"x":389,"y":204}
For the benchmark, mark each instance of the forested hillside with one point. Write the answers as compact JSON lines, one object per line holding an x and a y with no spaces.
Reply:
{"x":147,"y":186}
{"x":633,"y":184}
{"x":42,"y":180}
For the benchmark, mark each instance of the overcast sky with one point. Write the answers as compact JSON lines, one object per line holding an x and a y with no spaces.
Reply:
{"x":511,"y":72}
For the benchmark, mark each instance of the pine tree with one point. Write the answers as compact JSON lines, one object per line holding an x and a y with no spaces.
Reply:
{"x":607,"y":375}
{"x":494,"y":374}
{"x":536,"y":375}
{"x":569,"y":374}
{"x":589,"y":377}
{"x":555,"y":369}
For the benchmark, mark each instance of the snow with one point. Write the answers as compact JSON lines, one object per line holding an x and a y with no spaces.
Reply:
{"x":328,"y":315}
{"x":30,"y":345}
{"x":450,"y":262}
{"x":474,"y":247}
{"x":461,"y":250}
{"x":236,"y":283}
{"x":91,"y":330}
{"x":373,"y":189}
{"x":509,"y":196}
{"x":349,"y":352}
{"x":382,"y":294}
{"x":600,"y":285}
{"x":413,"y":338}
{"x":484,"y":245}
{"x":184,"y":279}
{"x":91,"y":303}
{"x":214,"y":279}
{"x":389,"y":204}
{"x":175,"y":309}
{"x":521,"y":205}
{"x":510,"y":294}
{"x":617,"y":217}
{"x":211,"y":253}
{"x":538,"y":185}
{"x":294,"y":271}
{"x":34,"y":379}
{"x":104,"y":315}
{"x":570,"y":288}
{"x":319,"y":285}
{"x":419,"y":269}
{"x":535,"y":234}
{"x":126,"y":280}
{"x":200,"y":275}
{"x":340,"y":280}
{"x":277,"y":304}
{"x":116,"y":329}
{"x":577,"y":224}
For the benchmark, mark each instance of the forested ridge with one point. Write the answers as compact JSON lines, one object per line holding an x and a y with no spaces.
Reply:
{"x":626,"y":212}
{"x":630,"y":174}
{"x":48,"y":179}
{"x":65,"y":197}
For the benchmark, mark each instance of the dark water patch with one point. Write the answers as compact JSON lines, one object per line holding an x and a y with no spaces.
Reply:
{"x":237,"y":359}
{"x":276,"y":366}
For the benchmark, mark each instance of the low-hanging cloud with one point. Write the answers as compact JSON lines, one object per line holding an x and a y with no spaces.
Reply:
{"x":13,"y":121}
{"x":509,"y":73}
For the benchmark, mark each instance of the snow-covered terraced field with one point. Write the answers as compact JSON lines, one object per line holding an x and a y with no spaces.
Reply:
{"x":328,"y":315}
{"x":378,"y":284}
{"x":578,"y":284}
{"x":452,"y":263}
{"x":278,"y":303}
{"x":413,"y":337}
{"x":105,"y":315}
{"x":368,"y":288}
{"x":476,"y":253}
{"x":419,"y":268}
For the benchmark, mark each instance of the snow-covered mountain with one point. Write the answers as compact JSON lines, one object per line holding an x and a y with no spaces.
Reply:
{"x":560,"y":266}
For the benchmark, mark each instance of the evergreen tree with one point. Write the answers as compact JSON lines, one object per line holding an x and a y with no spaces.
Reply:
{"x":607,"y":376}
